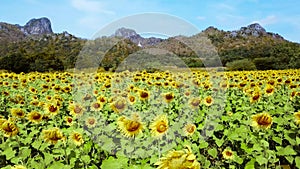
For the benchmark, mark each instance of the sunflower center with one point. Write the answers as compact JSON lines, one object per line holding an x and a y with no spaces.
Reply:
{"x":228,"y":153}
{"x":208,"y":100}
{"x":91,"y":121}
{"x":120,"y":105}
{"x":133,"y":126}
{"x":36,"y":116}
{"x":169,"y":96}
{"x":195,"y":102}
{"x":77,"y":110}
{"x":256,"y":97}
{"x":144,"y":95}
{"x":264,"y":121}
{"x":69,"y":120}
{"x":52,"y":108}
{"x":190,"y":129}
{"x":132,"y":99}
{"x":270,"y":90}
{"x":161,"y":127}
{"x":96,"y":105}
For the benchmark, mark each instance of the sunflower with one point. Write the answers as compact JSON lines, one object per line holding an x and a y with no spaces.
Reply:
{"x":159,"y":126}
{"x":33,"y":90}
{"x":168,"y":97}
{"x":18,"y":167}
{"x":228,"y":154}
{"x":91,"y":122}
{"x":76,"y":109}
{"x":208,"y":101}
{"x":262,"y":120}
{"x":131,"y":99}
{"x":194,"y":103}
{"x":69,"y":120}
{"x":297,"y":117}
{"x":51,"y":108}
{"x":144,"y":95}
{"x":269,"y":90}
{"x":53,"y":135}
{"x":189,"y":129}
{"x":35,"y":117}
{"x":9,"y":128}
{"x":96,"y":106}
{"x":102,"y":99}
{"x":17,"y":112}
{"x":77,"y":138}
{"x":118,"y":105}
{"x":130,"y":127}
{"x":180,"y":159}
{"x":255,"y":97}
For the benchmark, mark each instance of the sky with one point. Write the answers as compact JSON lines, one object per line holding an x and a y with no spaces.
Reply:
{"x":84,"y":18}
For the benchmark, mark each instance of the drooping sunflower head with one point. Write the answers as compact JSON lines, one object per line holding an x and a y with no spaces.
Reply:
{"x":180,"y":159}
{"x":130,"y":127}
{"x":17,"y":112}
{"x":228,"y":154}
{"x":35,"y":117}
{"x":77,"y":138}
{"x":53,"y":135}
{"x":159,"y":126}
{"x":262,"y":121}
{"x":189,"y":129}
{"x":9,"y":128}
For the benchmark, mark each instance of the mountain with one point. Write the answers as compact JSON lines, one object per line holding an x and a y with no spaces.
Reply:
{"x":34,"y":27}
{"x":35,"y":47}
{"x":136,"y":38}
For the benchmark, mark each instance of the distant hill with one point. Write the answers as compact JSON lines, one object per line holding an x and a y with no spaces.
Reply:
{"x":35,"y":47}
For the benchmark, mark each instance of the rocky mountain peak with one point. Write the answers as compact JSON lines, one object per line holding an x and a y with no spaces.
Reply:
{"x":37,"y":27}
{"x":254,"y":29}
{"x":125,"y":33}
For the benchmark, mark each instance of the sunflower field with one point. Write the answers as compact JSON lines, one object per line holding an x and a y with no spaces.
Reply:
{"x":142,"y":120}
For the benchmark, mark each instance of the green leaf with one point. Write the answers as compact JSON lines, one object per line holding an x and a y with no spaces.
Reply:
{"x":288,"y":150}
{"x":261,"y":160}
{"x":118,"y":163}
{"x":250,"y":164}
{"x":213,"y":152}
{"x":297,"y":160}
{"x":48,"y":158}
{"x":277,"y":140}
{"x":246,"y":148}
{"x":85,"y":158}
{"x":290,"y":159}
{"x":56,"y":165}
{"x":36,"y":144}
{"x":25,"y":152}
{"x":9,"y":153}
{"x":239,"y":160}
{"x":203,"y":144}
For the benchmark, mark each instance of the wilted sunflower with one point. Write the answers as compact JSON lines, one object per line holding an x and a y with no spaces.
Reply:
{"x":53,"y":135}
{"x":77,"y":138}
{"x":228,"y":154}
{"x":9,"y":128}
{"x":159,"y":126}
{"x":118,"y":105}
{"x":297,"y":117}
{"x":51,"y":108}
{"x":181,"y":159}
{"x":96,"y":106}
{"x":208,"y":101}
{"x":35,"y":117}
{"x":262,"y":120}
{"x":91,"y":122}
{"x":76,"y":109}
{"x":189,"y":129}
{"x":130,"y":127}
{"x":168,"y":97}
{"x":17,"y":112}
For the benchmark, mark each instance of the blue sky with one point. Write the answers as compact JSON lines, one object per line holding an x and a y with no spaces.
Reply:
{"x":84,"y":18}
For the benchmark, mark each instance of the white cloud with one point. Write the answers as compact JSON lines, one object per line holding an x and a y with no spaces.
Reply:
{"x":90,"y":6}
{"x":222,"y":7}
{"x":269,"y":20}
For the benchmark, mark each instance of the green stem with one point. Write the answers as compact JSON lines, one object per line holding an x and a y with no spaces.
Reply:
{"x":66,"y":155}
